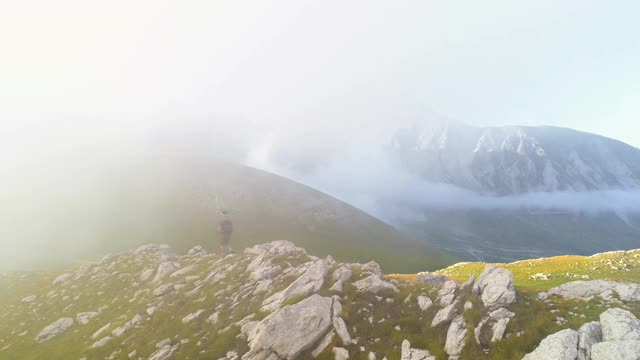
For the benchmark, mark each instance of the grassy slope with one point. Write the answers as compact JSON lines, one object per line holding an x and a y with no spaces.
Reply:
{"x":534,"y":318}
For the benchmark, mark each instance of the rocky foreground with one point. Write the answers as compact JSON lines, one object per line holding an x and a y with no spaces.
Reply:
{"x":274,"y":301}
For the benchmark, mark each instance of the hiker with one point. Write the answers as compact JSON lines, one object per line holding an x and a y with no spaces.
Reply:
{"x":225,"y":228}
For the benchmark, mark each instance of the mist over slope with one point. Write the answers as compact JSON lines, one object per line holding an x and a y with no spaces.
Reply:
{"x":489,"y":193}
{"x":174,"y":197}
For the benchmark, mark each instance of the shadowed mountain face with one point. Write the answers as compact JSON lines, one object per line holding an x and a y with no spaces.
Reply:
{"x":516,"y":160}
{"x":175,"y":198}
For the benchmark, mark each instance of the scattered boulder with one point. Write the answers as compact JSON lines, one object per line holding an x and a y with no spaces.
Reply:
{"x":193,"y":316}
{"x":340,"y":353}
{"x":562,"y":345}
{"x":605,"y":289}
{"x":619,"y":324}
{"x":456,"y":338}
{"x":61,"y":278}
{"x":197,"y":250}
{"x":495,"y":286}
{"x":29,"y":299}
{"x":291,"y":330}
{"x":589,"y":334}
{"x":279,"y":247}
{"x":100,"y":343}
{"x":164,"y":269}
{"x":447,"y":293}
{"x":310,"y":282}
{"x":616,"y":350}
{"x":163,"y":290}
{"x":54,"y":329}
{"x":407,"y":353}
{"x":183,"y":271}
{"x":424,"y":302}
{"x":341,"y":330}
{"x":374,"y":284}
{"x":444,"y":315}
{"x":84,"y":317}
{"x":164,"y":353}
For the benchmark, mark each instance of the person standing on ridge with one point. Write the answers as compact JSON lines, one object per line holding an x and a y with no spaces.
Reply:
{"x":225,"y":229}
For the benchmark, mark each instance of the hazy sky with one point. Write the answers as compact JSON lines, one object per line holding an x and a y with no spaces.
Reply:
{"x":116,"y":65}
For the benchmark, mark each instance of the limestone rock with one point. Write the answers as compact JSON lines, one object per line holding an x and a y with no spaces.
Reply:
{"x":446,"y":295}
{"x":279,"y":247}
{"x":495,"y":285}
{"x":197,"y":250}
{"x":291,"y":330}
{"x":589,"y":334}
{"x":164,"y":353}
{"x":456,"y":337}
{"x":324,"y":343}
{"x":84,"y":317}
{"x":100,"y":343}
{"x":341,"y":330}
{"x":619,"y":324}
{"x":163,"y":290}
{"x":374,"y":284}
{"x":587,"y":290}
{"x":193,"y":316}
{"x":444,"y":315}
{"x":407,"y":353}
{"x":54,"y":329}
{"x":340,"y":353}
{"x":562,"y":345}
{"x":184,"y":270}
{"x":424,"y":302}
{"x":310,"y":282}
{"x":616,"y":350}
{"x":164,"y":269}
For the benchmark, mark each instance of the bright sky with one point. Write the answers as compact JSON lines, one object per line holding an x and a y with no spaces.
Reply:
{"x":573,"y":63}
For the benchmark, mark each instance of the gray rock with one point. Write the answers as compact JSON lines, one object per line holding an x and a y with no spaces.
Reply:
{"x":100,"y":331}
{"x":164,"y":269}
{"x":29,"y":299}
{"x":193,"y":316}
{"x":374,"y":284}
{"x":372,"y":267}
{"x":562,"y":345}
{"x":183,"y":271}
{"x":447,"y":293}
{"x":456,"y":338}
{"x":279,"y":247}
{"x":616,"y":350}
{"x":589,"y":334}
{"x":407,"y":353}
{"x":495,"y":285}
{"x":197,"y":250}
{"x":164,"y":353}
{"x":444,"y":315}
{"x":340,"y":353}
{"x":343,"y":273}
{"x":619,"y":324}
{"x":324,"y":343}
{"x":424,"y":302}
{"x":341,"y":330}
{"x":61,"y":278}
{"x":147,"y":274}
{"x":310,"y":282}
{"x":54,"y":329}
{"x":100,"y":343}
{"x":587,"y":290}
{"x":468,"y":305}
{"x":163,"y":290}
{"x":291,"y":330}
{"x":84,"y":317}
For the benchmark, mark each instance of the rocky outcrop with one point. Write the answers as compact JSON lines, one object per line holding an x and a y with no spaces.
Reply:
{"x":54,"y":329}
{"x":447,"y":294}
{"x":496,"y":288}
{"x":619,"y":324}
{"x":165,"y":269}
{"x":374,"y":284}
{"x":562,"y":345}
{"x":589,"y":334}
{"x":197,"y":251}
{"x":408,"y":353}
{"x":444,"y":315}
{"x":291,"y":330}
{"x":424,"y":303}
{"x":607,"y":290}
{"x":616,"y":350}
{"x":456,"y":338}
{"x":310,"y":282}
